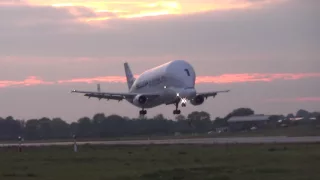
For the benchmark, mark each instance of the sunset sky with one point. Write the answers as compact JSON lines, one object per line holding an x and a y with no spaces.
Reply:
{"x":265,"y":51}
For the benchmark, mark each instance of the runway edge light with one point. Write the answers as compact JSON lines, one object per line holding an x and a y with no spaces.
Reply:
{"x":75,"y":148}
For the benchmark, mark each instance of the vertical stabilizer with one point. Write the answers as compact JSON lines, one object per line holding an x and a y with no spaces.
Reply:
{"x":98,"y":88}
{"x":129,"y":75}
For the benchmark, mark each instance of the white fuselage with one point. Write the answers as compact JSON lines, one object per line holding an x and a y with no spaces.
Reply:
{"x":173,"y":80}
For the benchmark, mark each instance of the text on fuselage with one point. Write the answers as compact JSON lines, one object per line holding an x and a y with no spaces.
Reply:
{"x":152,"y":82}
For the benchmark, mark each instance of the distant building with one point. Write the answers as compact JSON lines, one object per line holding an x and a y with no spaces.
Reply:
{"x":252,"y":122}
{"x":296,"y":118}
{"x":302,"y":118}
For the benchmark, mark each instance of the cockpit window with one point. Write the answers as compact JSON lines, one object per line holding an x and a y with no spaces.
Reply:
{"x":187,"y":71}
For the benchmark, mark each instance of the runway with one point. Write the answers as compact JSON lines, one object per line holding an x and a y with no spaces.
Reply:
{"x":225,"y":140}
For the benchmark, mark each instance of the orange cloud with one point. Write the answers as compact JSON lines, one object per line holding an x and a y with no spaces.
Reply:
{"x":298,"y":99}
{"x":31,"y":80}
{"x":225,"y":78}
{"x":222,"y":79}
{"x":108,"y":79}
{"x":143,"y":8}
{"x":254,"y":77}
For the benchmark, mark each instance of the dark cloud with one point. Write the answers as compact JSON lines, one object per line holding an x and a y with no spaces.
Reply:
{"x":12,"y":2}
{"x":285,"y":28}
{"x":17,"y":14}
{"x":279,"y":37}
{"x":31,"y":23}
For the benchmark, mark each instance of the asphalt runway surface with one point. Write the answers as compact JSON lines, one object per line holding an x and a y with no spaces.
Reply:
{"x":224,"y":140}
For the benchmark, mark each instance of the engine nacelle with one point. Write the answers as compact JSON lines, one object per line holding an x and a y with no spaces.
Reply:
{"x":140,"y":100}
{"x":198,"y":100}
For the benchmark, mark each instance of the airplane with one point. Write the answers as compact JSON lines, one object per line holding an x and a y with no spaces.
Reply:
{"x":172,"y":83}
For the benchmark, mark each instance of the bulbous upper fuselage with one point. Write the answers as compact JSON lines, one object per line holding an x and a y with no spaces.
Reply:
{"x":169,"y":79}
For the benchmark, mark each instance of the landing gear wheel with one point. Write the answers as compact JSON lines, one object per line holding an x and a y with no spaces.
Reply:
{"x":183,"y":105}
{"x":176,"y":112}
{"x":143,"y":112}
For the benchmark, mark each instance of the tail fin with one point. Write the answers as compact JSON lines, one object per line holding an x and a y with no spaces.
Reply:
{"x":98,"y":88}
{"x":129,"y":75}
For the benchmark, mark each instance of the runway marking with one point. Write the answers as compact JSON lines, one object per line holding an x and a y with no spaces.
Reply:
{"x":225,"y":140}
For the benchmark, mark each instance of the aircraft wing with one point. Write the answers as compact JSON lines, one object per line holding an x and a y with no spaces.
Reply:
{"x":212,"y":93}
{"x":112,"y":96}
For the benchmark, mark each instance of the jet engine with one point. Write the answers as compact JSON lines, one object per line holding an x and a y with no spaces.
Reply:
{"x":198,"y":100}
{"x":140,"y":100}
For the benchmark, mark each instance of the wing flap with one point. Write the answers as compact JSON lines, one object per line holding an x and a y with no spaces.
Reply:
{"x":113,"y":96}
{"x":212,"y":93}
{"x":103,"y":96}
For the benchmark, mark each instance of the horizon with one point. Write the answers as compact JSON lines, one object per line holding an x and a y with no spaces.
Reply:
{"x":265,"y":52}
{"x":289,"y":115}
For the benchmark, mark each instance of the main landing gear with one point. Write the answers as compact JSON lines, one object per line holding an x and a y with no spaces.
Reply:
{"x":177,"y":111}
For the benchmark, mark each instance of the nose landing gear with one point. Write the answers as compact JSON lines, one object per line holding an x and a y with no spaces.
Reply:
{"x":143,"y":112}
{"x":183,"y":102}
{"x":177,"y":111}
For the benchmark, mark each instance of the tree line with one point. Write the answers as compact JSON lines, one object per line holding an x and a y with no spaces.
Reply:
{"x":102,"y":126}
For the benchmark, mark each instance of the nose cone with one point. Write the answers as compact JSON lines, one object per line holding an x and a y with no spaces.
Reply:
{"x":183,"y":72}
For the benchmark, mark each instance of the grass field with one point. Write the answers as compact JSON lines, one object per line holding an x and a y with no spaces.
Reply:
{"x":167,"y":162}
